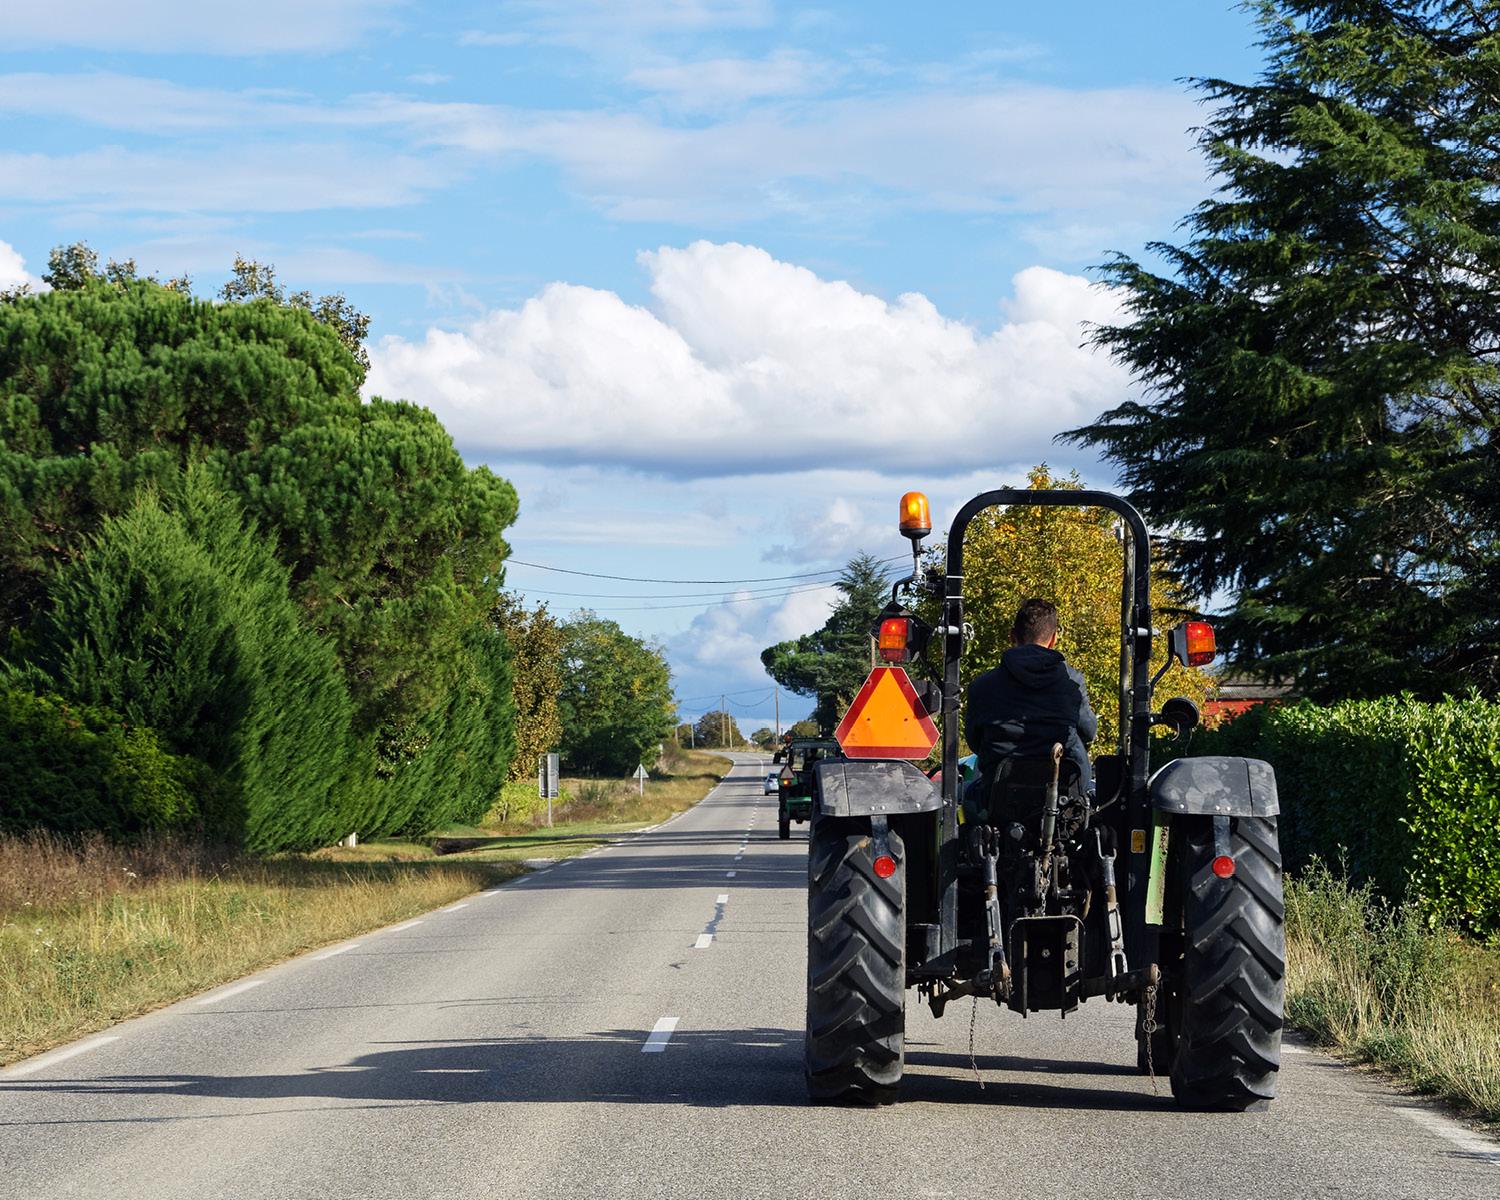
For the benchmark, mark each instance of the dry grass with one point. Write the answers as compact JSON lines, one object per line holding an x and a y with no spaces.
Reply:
{"x":1374,"y":981}
{"x":93,"y":933}
{"x":681,"y":779}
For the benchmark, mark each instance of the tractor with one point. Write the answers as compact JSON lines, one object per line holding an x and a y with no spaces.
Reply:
{"x":1027,"y":888}
{"x":797,"y":781}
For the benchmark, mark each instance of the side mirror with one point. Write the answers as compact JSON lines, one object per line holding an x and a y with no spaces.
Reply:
{"x":1192,"y":644}
{"x":1179,"y":714}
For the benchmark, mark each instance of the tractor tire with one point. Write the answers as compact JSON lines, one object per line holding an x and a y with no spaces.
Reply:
{"x":1231,"y":991}
{"x":856,"y":966}
{"x":784,"y":826}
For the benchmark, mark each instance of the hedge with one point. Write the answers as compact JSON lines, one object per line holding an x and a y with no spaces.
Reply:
{"x":75,"y":767}
{"x":1404,"y":792}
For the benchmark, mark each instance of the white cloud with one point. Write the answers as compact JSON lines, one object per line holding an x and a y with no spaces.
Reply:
{"x":1071,"y":165}
{"x":170,"y":26}
{"x":714,"y":83}
{"x":746,"y":364}
{"x":13,"y":272}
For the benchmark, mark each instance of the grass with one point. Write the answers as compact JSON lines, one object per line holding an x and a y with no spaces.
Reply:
{"x":92,"y":932}
{"x":1376,"y":982}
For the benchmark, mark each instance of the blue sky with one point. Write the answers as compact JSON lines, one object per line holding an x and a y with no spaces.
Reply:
{"x":713,"y":281}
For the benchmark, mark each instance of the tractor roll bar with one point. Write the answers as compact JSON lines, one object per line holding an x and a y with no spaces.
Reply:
{"x":1135,"y":659}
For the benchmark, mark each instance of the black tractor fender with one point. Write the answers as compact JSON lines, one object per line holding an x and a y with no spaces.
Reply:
{"x":1215,"y":786}
{"x":873,"y":788}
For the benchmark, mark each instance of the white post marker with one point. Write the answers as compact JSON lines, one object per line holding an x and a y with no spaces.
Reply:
{"x":660,"y":1035}
{"x":47,"y":1060}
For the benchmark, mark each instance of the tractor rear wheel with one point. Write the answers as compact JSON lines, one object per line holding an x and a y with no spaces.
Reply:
{"x":856,"y":965}
{"x":1232,"y":971}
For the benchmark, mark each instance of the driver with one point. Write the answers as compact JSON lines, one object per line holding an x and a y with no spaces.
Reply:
{"x":1032,"y":700}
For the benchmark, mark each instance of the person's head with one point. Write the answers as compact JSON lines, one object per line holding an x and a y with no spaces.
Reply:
{"x":1036,"y":622}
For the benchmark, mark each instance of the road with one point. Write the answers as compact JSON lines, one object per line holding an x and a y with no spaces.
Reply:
{"x":629,"y":1024}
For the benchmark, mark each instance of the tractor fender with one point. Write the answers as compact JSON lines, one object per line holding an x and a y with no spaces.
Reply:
{"x":1216,"y":786}
{"x":874,"y":787}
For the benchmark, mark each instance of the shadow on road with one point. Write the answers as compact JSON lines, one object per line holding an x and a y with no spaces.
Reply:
{"x":700,"y":1068}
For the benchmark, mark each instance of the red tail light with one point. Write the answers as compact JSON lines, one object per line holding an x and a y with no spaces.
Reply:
{"x":885,"y":866}
{"x":1201,"y":647}
{"x":895,"y":632}
{"x":1223,"y":866}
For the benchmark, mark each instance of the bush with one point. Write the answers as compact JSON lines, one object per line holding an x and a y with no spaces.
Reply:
{"x":74,"y":768}
{"x":180,"y":618}
{"x":1407,"y":793}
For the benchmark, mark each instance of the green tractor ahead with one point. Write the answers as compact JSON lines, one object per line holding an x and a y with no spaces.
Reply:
{"x":797,"y":781}
{"x":1160,"y":890}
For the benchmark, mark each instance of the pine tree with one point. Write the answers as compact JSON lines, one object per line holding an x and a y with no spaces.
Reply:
{"x":1321,"y":360}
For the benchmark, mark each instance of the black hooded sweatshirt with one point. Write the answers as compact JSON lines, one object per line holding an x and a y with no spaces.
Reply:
{"x":1031,"y":701}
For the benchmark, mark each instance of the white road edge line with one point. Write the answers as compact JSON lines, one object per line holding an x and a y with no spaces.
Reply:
{"x":705,"y":940}
{"x":215,"y":997}
{"x":456,"y":907}
{"x":1451,"y":1131}
{"x":406,"y":925}
{"x":491,"y":892}
{"x":661,"y":1034}
{"x":57,"y":1056}
{"x":338,"y":950}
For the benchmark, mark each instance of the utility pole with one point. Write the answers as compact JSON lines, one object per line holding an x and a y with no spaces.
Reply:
{"x":777,"y":692}
{"x":724,"y":721}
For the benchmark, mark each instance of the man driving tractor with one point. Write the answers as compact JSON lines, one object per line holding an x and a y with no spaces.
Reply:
{"x":1032,"y":700}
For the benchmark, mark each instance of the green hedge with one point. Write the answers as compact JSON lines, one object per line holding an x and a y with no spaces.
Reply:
{"x":1406,"y":793}
{"x":74,"y":767}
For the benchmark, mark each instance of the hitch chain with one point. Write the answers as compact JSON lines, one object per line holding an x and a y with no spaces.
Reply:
{"x":1148,"y":1027}
{"x":973,"y":1062}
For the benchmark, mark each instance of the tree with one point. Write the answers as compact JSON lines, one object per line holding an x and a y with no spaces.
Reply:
{"x":717,"y":730}
{"x":536,"y":653}
{"x":393,"y":545}
{"x":831,"y":663}
{"x":1071,"y":557}
{"x":257,"y":281}
{"x":763,"y":737}
{"x":1322,"y":359}
{"x":806,"y":728}
{"x":179,"y":617}
{"x":616,"y":699}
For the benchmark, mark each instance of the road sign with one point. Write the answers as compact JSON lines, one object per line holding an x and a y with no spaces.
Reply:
{"x":641,"y":777}
{"x":887,"y":720}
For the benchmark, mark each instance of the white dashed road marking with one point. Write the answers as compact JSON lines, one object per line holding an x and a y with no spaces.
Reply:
{"x":57,"y":1056}
{"x":661,"y":1034}
{"x":336,"y":950}
{"x":232,"y":991}
{"x":729,"y":875}
{"x":399,"y":928}
{"x":456,"y":907}
{"x":705,"y":940}
{"x":723,"y":898}
{"x":1451,"y":1131}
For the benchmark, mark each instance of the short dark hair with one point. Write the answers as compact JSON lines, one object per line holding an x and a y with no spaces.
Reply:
{"x":1036,"y":621}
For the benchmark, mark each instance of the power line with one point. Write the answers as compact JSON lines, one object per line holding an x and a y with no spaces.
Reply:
{"x":638,"y":579}
{"x":667,"y":595}
{"x":731,"y":600}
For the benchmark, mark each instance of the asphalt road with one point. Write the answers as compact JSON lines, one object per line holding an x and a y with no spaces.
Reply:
{"x":629,"y":1024}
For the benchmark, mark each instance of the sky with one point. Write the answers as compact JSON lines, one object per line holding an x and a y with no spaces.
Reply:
{"x":712,"y":282}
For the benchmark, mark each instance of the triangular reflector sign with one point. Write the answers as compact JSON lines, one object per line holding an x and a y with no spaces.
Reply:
{"x":887,"y":720}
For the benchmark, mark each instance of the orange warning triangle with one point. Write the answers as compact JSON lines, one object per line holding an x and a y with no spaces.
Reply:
{"x":887,"y":719}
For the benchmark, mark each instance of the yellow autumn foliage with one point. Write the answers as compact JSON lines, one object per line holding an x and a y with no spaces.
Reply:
{"x":1072,"y":557}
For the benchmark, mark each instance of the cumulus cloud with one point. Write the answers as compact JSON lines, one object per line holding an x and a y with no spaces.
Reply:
{"x":13,"y":272}
{"x":745,"y":364}
{"x":165,"y":26}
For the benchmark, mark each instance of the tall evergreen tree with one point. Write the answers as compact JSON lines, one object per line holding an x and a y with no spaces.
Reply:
{"x":831,"y":662}
{"x":1321,"y":358}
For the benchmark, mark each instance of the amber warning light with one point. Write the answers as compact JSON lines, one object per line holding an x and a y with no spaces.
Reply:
{"x":1193,"y":643}
{"x":916,"y":517}
{"x":894,"y":634}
